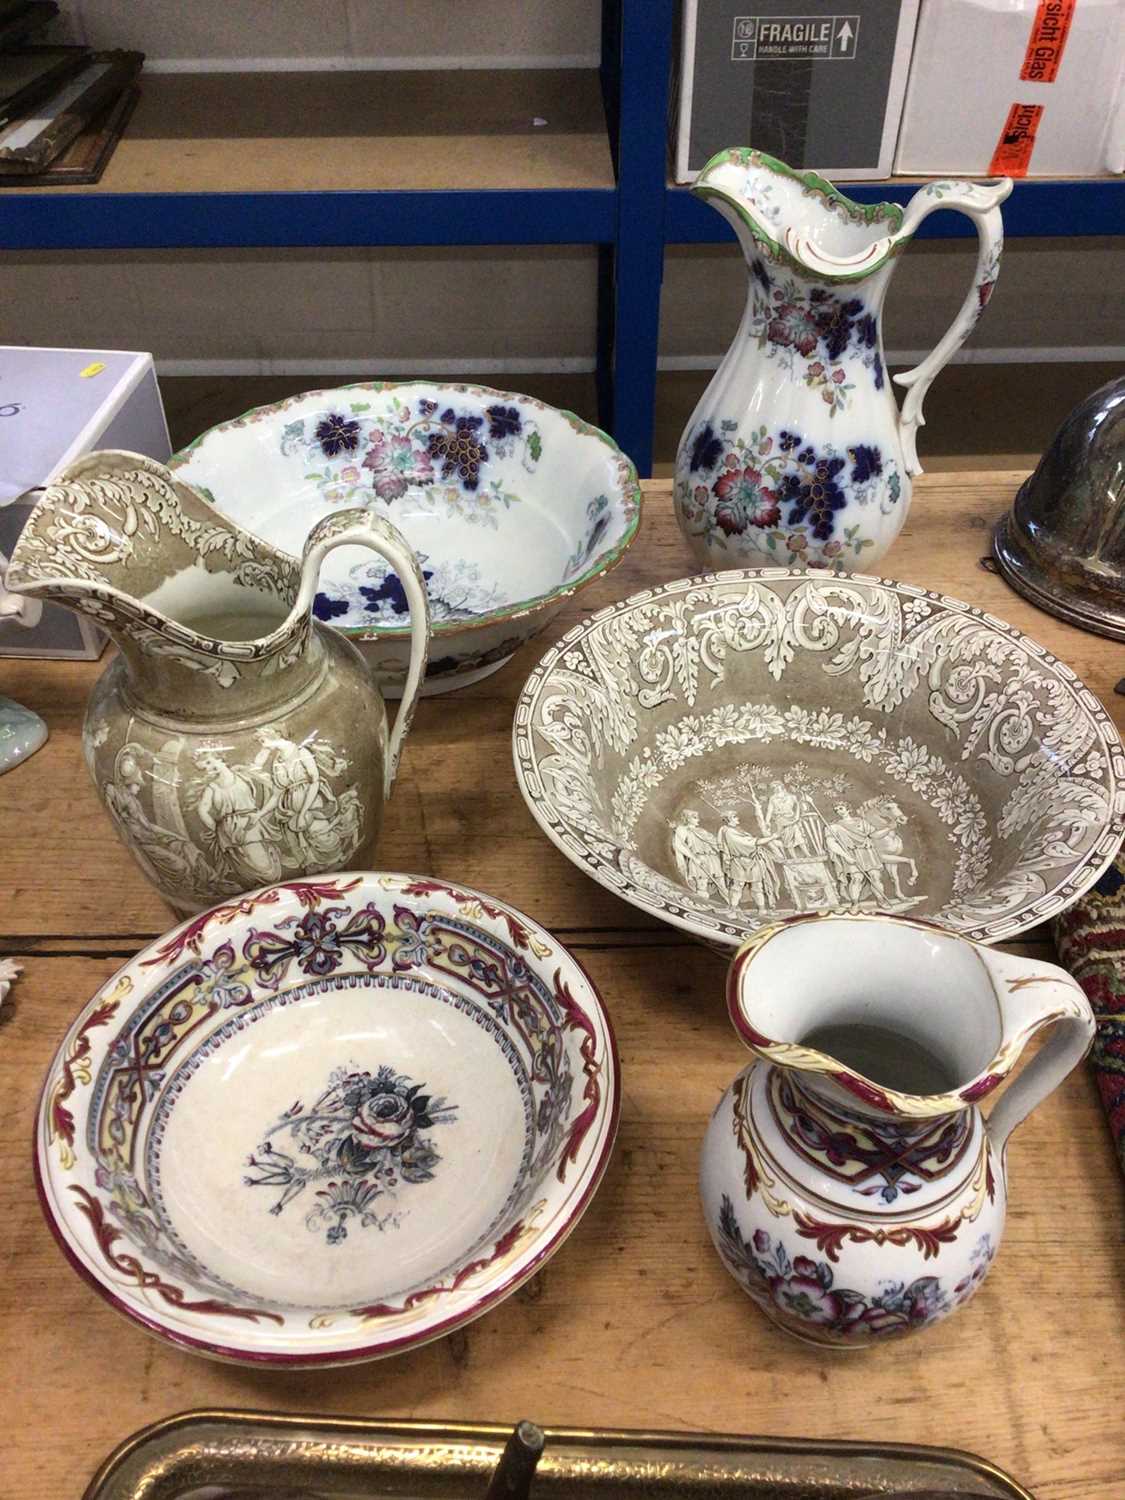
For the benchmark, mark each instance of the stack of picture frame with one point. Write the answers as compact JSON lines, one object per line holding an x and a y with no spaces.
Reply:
{"x":62,"y":107}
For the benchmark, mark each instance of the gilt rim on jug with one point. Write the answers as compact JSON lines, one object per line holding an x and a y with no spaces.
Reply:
{"x":882,"y":1096}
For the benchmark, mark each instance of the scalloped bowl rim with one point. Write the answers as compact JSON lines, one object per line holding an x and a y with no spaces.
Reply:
{"x":524,"y":609}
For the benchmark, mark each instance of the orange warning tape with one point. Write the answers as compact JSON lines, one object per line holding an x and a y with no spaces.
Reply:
{"x":1012,"y":156}
{"x":1045,"y":45}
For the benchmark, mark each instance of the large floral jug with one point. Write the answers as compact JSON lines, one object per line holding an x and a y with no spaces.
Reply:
{"x":234,"y":740}
{"x":797,"y":452}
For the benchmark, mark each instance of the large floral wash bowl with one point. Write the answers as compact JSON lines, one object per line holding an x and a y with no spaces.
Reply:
{"x":511,"y":505}
{"x":328,"y":1121}
{"x":730,"y":749}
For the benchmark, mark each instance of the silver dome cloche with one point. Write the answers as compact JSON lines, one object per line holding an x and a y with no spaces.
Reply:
{"x":1062,"y":544}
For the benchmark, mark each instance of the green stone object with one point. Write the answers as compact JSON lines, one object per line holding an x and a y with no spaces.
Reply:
{"x":21,"y":733}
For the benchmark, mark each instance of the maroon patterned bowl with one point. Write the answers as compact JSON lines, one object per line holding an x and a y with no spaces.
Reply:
{"x":328,"y":1121}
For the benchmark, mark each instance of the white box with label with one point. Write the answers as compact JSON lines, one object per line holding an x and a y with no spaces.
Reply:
{"x":56,"y":405}
{"x":1019,"y":88}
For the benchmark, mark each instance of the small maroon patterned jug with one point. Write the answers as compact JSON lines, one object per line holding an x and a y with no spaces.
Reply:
{"x":850,"y":1182}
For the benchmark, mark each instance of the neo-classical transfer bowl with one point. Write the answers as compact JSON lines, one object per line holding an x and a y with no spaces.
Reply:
{"x":734,"y":748}
{"x":328,"y":1121}
{"x":511,"y":506}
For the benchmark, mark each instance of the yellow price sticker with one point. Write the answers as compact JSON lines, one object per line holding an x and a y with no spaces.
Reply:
{"x":95,"y":369}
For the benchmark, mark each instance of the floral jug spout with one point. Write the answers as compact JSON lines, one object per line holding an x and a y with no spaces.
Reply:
{"x":850,"y":1182}
{"x":797,"y":453}
{"x":235,"y":740}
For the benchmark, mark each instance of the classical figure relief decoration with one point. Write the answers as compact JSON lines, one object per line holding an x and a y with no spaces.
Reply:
{"x":160,"y":839}
{"x":215,"y":640}
{"x":287,"y":785}
{"x":288,"y":806}
{"x":794,"y":856}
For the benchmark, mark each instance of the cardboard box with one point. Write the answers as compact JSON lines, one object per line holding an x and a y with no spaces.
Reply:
{"x":56,"y":405}
{"x":1029,"y":88}
{"x":822,"y":89}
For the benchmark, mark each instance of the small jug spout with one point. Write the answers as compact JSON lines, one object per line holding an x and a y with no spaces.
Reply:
{"x":798,"y":217}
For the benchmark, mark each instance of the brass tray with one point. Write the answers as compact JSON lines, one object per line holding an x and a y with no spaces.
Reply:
{"x":255,"y":1456}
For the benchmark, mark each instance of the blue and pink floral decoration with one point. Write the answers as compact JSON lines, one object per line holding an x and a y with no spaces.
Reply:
{"x":414,"y":447}
{"x":440,"y":457}
{"x":782,"y":495}
{"x":802,"y":1293}
{"x":373,"y":594}
{"x":839,"y":336}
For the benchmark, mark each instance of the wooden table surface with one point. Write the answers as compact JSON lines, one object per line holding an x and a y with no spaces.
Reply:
{"x":634,"y":1323}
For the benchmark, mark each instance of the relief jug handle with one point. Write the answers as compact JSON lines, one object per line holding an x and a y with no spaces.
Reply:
{"x":1032,"y":996}
{"x":360,"y":528}
{"x":981,"y":201}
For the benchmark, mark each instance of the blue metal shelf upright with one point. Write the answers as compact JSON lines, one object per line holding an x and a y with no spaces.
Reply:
{"x":630,"y":221}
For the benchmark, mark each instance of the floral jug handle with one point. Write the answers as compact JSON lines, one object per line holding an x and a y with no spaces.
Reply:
{"x":1032,"y":996}
{"x":360,"y":528}
{"x":981,"y":201}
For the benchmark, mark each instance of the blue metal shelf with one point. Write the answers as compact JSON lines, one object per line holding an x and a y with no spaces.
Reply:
{"x":163,"y":221}
{"x":1048,"y":207}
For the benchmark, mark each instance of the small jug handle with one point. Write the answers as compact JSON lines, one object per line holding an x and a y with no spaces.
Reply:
{"x":1034,"y":995}
{"x":360,"y":528}
{"x":981,"y":201}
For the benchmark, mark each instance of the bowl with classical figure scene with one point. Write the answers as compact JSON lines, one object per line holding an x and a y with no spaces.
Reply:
{"x":511,"y":505}
{"x":328,"y":1121}
{"x":729,"y":750}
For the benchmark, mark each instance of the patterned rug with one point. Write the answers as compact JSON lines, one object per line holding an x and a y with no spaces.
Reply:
{"x":1090,"y":939}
